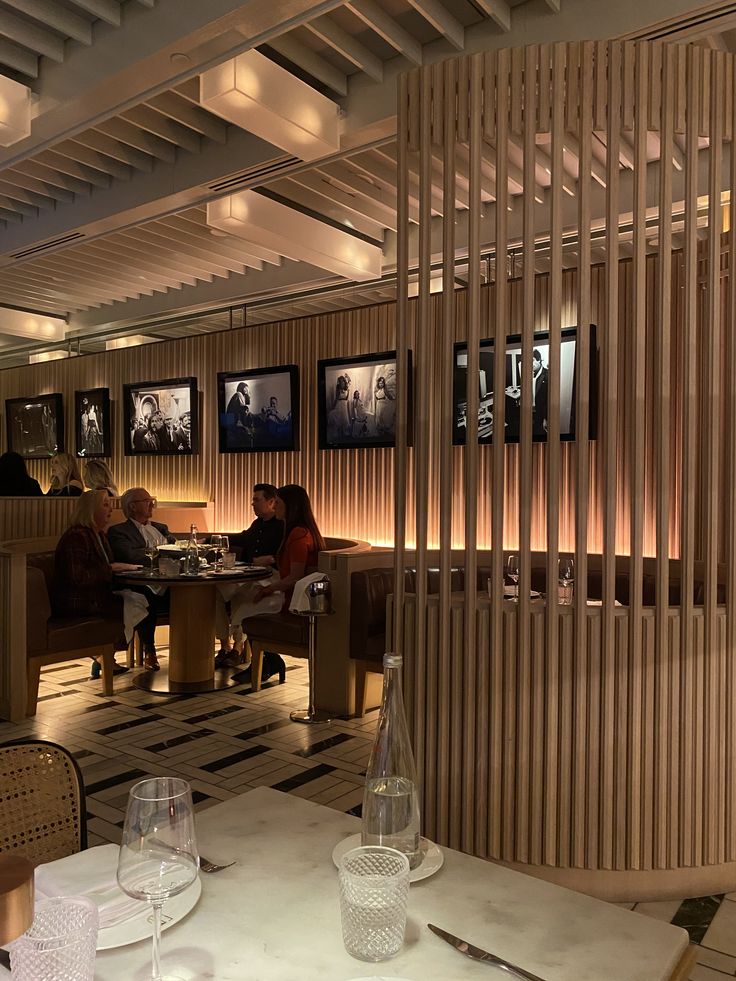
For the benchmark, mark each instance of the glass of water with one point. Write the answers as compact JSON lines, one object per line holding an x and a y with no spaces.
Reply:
{"x":61,"y":942}
{"x":374,"y":889}
{"x":566,"y":581}
{"x":158,"y":853}
{"x":216,"y":546}
{"x":512,"y":571}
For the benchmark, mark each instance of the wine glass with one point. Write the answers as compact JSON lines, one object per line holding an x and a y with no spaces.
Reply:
{"x":216,"y":546}
{"x":566,"y":578}
{"x":225,"y":548}
{"x":158,"y":853}
{"x":512,"y":571}
{"x":151,"y":552}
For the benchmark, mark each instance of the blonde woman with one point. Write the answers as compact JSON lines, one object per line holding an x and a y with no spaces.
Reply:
{"x":66,"y":477}
{"x":98,"y":476}
{"x":84,"y":567}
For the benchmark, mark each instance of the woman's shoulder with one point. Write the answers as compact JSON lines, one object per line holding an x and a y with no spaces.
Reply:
{"x":299,"y":533}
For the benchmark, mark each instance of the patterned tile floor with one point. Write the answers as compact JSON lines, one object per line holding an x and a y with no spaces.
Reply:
{"x":227,"y":742}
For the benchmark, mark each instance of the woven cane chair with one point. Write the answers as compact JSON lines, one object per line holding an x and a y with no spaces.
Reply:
{"x":43,"y":815}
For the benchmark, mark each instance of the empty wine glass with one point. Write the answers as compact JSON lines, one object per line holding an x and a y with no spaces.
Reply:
{"x":512,"y":571}
{"x":216,"y":546}
{"x":151,"y":552}
{"x":225,"y":543}
{"x":158,"y":853}
{"x":566,"y":579}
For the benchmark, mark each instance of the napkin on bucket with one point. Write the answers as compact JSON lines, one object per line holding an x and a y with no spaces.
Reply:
{"x":300,"y":600}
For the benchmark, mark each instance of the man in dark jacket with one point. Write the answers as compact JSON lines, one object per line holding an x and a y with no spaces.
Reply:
{"x":129,"y":541}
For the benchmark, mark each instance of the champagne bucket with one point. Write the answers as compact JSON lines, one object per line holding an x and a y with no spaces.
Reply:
{"x":319,"y":595}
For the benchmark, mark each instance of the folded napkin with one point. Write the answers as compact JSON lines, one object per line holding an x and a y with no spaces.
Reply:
{"x":299,"y":599}
{"x":92,"y":873}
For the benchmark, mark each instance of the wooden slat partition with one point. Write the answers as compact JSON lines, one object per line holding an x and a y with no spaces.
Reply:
{"x":585,"y":744}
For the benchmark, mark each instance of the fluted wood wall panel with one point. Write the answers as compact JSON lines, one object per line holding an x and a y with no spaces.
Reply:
{"x":598,"y":739}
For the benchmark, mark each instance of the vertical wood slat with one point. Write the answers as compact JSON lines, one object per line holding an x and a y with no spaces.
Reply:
{"x":402,"y":370}
{"x":712,"y":440}
{"x":472,"y":452}
{"x":553,"y":820}
{"x":662,"y":371}
{"x":585,"y":765}
{"x":525,"y":449}
{"x":503,"y":826}
{"x":730,"y":413}
{"x":637,"y":413}
{"x":447,"y":336}
{"x":608,"y":453}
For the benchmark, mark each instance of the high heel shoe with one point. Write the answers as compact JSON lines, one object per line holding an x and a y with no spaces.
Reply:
{"x":273,"y":663}
{"x":96,"y":670}
{"x":116,"y":669}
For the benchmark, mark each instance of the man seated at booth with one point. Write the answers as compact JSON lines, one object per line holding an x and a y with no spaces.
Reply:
{"x":129,"y":541}
{"x":258,"y":545}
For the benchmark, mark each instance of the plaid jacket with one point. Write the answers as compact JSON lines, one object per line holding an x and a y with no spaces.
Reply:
{"x":82,"y":576}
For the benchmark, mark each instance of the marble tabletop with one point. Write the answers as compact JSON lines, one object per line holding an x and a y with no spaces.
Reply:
{"x":274,"y":916}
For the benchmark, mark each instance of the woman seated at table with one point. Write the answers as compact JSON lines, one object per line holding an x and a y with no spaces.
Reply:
{"x":15,"y":481}
{"x":296,"y":558}
{"x":98,"y":476}
{"x":66,"y":477}
{"x":84,"y":568}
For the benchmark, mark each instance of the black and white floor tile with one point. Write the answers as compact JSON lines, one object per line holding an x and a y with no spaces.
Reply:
{"x":227,"y":742}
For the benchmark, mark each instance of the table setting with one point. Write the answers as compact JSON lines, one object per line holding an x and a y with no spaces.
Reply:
{"x":269,"y":904}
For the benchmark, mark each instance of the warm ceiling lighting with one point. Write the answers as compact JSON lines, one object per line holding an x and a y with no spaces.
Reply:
{"x":273,"y":225}
{"x":36,"y":326}
{"x":15,"y":111}
{"x":261,"y":97}
{"x":48,"y":356}
{"x":130,"y":340}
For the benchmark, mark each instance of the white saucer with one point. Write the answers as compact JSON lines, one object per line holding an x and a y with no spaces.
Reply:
{"x":140,"y":927}
{"x":432,"y":861}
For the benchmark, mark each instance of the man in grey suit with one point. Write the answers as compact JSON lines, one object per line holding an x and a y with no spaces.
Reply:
{"x":130,"y":539}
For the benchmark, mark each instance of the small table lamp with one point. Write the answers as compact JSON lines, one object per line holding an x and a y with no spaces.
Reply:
{"x":16,"y":897}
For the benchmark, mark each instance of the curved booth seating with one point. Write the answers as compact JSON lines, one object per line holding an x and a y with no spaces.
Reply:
{"x":285,"y":632}
{"x":51,"y":639}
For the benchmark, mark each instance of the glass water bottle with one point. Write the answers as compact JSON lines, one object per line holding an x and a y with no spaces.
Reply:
{"x":191,"y":559}
{"x":391,"y":798}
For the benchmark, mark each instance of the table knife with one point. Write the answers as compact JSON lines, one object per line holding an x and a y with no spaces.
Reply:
{"x":478,"y":954}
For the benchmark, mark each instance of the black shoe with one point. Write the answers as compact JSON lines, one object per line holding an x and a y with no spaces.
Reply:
{"x":119,"y":668}
{"x":273,"y":664}
{"x":96,"y":670}
{"x":227,"y":659}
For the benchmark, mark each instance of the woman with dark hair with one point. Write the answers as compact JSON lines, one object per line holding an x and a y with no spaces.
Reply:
{"x":15,"y":481}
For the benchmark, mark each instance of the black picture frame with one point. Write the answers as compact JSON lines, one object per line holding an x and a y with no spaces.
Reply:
{"x":92,"y":423}
{"x":35,"y":425}
{"x":248,"y":421}
{"x":367,"y":421}
{"x":568,"y":387}
{"x":173,"y":399}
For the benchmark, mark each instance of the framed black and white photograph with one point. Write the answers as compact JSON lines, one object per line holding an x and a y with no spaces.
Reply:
{"x":259,"y":409}
{"x":161,"y":417}
{"x":92,"y":422}
{"x":35,"y":426}
{"x":358,"y":400}
{"x":513,"y":384}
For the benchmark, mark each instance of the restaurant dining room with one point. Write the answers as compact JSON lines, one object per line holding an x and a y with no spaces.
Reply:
{"x":306,"y":672}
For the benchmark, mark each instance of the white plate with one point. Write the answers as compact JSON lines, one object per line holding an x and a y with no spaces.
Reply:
{"x":376,"y":977}
{"x":140,"y":927}
{"x":432,"y":861}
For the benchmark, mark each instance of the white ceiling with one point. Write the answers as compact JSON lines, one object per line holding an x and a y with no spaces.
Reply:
{"x":102,"y":209}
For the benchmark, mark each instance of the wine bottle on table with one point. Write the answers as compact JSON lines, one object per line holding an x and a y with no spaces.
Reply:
{"x":191,"y":562}
{"x":391,"y":797}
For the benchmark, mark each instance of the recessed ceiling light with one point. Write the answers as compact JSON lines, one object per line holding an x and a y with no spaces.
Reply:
{"x":179,"y":58}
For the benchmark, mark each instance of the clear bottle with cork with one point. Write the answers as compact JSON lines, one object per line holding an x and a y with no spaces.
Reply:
{"x":391,"y":797}
{"x":191,"y":557}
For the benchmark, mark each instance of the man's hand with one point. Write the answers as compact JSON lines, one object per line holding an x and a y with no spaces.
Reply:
{"x":123,"y":567}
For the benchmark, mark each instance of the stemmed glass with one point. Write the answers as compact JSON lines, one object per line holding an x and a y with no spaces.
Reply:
{"x":151,"y":553}
{"x":158,"y":853}
{"x":512,"y":571}
{"x":225,"y":541}
{"x":566,"y":576}
{"x":216,"y":546}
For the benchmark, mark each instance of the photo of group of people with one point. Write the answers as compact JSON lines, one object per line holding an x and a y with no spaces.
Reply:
{"x":35,"y":426}
{"x":258,"y":409}
{"x":515,"y":375}
{"x":357,"y":401}
{"x":92,"y":418}
{"x":163,"y":417}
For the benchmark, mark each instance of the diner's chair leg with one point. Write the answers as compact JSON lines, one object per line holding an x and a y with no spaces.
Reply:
{"x":138,"y":650}
{"x":130,"y":653}
{"x":108,"y":659}
{"x":361,"y":688}
{"x":32,"y":683}
{"x":256,"y":665}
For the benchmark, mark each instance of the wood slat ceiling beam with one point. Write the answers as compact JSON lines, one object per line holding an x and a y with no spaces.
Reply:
{"x":51,"y":13}
{"x":291,"y":48}
{"x":348,"y":47}
{"x":386,"y":27}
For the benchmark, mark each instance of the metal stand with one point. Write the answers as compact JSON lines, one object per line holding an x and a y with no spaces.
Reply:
{"x":310,"y":715}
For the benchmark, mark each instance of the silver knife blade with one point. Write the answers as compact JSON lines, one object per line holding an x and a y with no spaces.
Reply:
{"x":478,"y":954}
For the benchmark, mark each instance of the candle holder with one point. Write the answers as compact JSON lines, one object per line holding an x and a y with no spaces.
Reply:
{"x":16,"y":897}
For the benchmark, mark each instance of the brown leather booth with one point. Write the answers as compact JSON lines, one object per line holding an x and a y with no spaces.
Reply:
{"x":51,"y":639}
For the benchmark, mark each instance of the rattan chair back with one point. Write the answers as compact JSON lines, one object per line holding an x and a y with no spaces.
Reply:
{"x":42,"y":803}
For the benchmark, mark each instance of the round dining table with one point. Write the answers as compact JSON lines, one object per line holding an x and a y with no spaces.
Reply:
{"x":193,"y":602}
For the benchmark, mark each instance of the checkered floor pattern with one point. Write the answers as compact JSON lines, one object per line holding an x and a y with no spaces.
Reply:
{"x":227,"y":742}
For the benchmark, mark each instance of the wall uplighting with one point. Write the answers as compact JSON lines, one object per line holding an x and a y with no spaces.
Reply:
{"x":42,"y":356}
{"x":275,"y":226}
{"x":263,"y":98}
{"x":15,"y":111}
